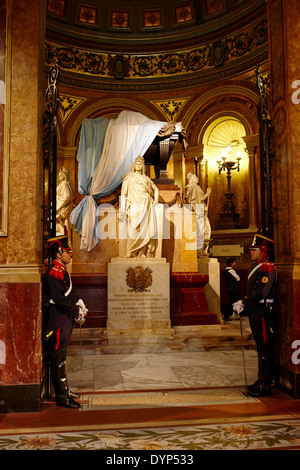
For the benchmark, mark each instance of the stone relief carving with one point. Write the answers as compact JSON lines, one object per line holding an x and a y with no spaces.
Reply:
{"x":138,"y":279}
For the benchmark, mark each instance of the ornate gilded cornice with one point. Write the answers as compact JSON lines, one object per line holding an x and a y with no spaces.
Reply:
{"x":96,"y":69}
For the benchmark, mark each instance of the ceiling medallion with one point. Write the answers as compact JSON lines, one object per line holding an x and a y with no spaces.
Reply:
{"x":217,"y":53}
{"x":183,"y":13}
{"x":57,"y":7}
{"x":120,"y":19}
{"x":214,"y":5}
{"x":152,"y":18}
{"x":88,"y":14}
{"x":119,"y":66}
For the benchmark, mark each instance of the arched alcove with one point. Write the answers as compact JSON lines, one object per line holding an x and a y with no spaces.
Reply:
{"x":108,"y":108}
{"x":223,"y":139}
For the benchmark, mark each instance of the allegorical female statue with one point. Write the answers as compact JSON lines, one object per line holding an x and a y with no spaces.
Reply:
{"x":64,"y":202}
{"x":194,"y":195}
{"x":139,"y":195}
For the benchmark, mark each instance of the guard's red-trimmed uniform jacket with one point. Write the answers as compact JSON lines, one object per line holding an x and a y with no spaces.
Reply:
{"x":259,"y":300}
{"x":59,"y":299}
{"x":261,"y":284}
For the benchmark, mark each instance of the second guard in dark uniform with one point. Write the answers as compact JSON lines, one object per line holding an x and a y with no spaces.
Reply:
{"x":232,"y":281}
{"x":258,"y":303}
{"x":62,"y":308}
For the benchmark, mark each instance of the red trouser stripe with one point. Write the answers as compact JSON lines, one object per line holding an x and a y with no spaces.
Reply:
{"x":264,"y":331}
{"x":57,"y":338}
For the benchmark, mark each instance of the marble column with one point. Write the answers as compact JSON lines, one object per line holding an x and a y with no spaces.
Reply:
{"x":284,"y":47}
{"x":21,"y":249}
{"x":252,"y":143}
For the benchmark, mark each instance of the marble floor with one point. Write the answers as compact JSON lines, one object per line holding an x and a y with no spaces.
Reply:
{"x":185,"y":391}
{"x":193,"y":357}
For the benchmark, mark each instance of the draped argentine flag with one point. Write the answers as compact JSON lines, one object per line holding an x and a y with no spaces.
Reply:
{"x":106,"y":152}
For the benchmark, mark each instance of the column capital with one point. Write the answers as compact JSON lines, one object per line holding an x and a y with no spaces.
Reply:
{"x":251,"y":141}
{"x":195,"y":151}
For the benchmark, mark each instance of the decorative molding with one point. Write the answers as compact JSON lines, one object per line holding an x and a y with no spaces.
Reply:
{"x":160,"y":85}
{"x":16,"y":273}
{"x":165,"y":65}
{"x":67,"y":105}
{"x":170,"y":108}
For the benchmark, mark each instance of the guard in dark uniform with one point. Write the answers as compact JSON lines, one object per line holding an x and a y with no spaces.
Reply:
{"x":258,"y":303}
{"x":62,"y":308}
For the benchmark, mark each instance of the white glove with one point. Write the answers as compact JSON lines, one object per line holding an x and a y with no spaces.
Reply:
{"x":82,"y":312}
{"x":80,"y":303}
{"x":82,"y":307}
{"x":238,"y":306}
{"x":80,"y":319}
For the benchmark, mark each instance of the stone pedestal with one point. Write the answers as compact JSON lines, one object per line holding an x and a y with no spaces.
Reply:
{"x":211,"y":268}
{"x":138,"y":297}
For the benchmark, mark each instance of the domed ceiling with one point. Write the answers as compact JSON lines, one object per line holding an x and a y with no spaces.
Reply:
{"x":131,"y":41}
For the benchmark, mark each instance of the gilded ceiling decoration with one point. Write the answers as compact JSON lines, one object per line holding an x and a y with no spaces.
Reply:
{"x":144,"y":21}
{"x":126,"y":44}
{"x":123,"y":17}
{"x":136,"y":66}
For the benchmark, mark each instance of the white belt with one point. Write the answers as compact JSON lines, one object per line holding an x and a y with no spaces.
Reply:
{"x":267,"y":301}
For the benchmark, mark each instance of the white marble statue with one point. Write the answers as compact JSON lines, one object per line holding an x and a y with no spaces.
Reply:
{"x":139,"y":195}
{"x":194,"y":195}
{"x":64,"y":202}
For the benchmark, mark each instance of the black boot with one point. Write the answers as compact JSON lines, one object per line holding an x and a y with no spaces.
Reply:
{"x":262,"y":387}
{"x":254,"y":386}
{"x":59,"y":380}
{"x":257,"y":383}
{"x":263,"y":390}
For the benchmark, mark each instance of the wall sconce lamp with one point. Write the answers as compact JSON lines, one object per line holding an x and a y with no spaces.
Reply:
{"x":225,"y":163}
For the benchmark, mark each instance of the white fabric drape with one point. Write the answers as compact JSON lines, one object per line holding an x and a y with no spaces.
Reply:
{"x":126,"y":138}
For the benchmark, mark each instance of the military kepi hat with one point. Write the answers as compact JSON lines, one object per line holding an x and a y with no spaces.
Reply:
{"x":259,"y":241}
{"x":58,"y":244}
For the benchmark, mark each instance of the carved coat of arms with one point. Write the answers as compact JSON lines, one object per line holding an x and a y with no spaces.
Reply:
{"x":139,"y":279}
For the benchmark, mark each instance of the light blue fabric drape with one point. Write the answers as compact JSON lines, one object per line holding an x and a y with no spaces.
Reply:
{"x":89,"y":150}
{"x":92,"y":141}
{"x":88,"y":155}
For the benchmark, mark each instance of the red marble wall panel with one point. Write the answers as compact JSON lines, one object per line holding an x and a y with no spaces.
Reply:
{"x":20,"y":331}
{"x":188,"y":303}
